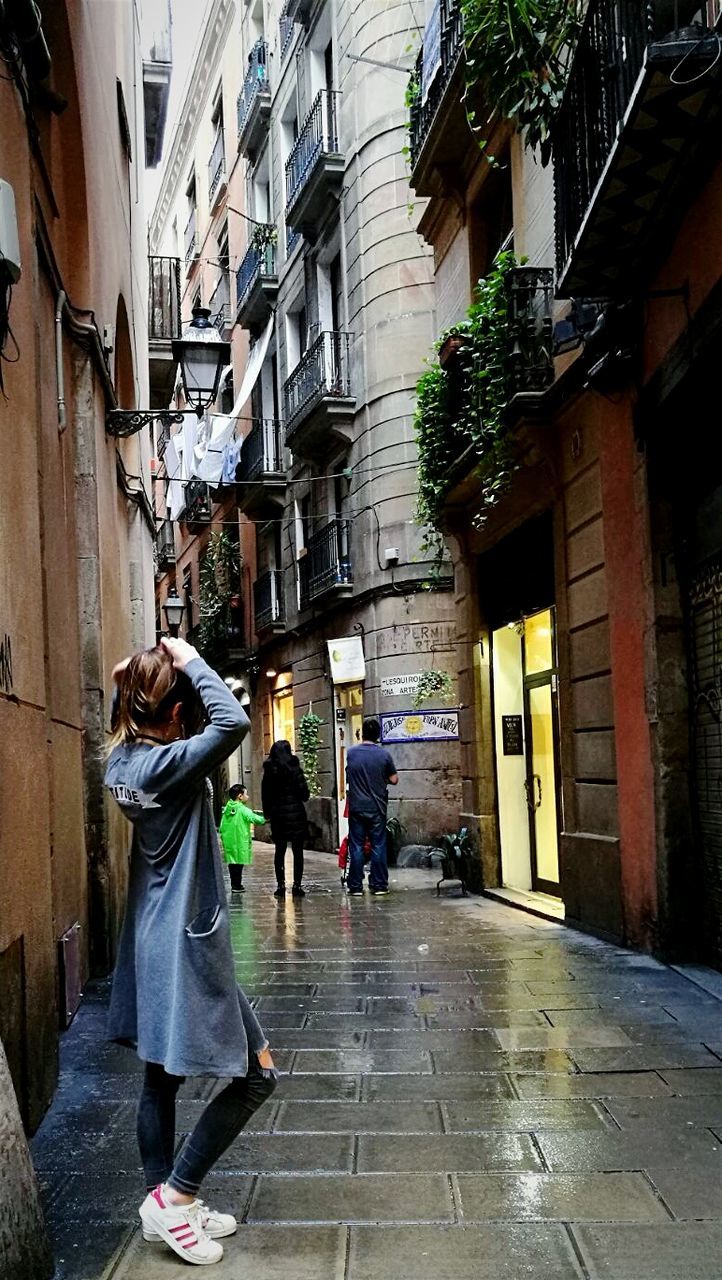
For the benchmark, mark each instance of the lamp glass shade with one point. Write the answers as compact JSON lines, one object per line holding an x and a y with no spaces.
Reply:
{"x":201,"y":354}
{"x":174,"y":609}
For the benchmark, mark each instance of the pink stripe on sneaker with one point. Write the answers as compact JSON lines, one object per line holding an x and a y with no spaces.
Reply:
{"x":183,"y":1226}
{"x":158,"y":1197}
{"x":191,"y":1244}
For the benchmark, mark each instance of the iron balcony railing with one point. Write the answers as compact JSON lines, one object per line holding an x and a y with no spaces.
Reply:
{"x":190,"y":238}
{"x":530,"y":298}
{"x":261,"y":452}
{"x":268,"y":603}
{"x":292,"y":238}
{"x":322,"y":371}
{"x":165,"y":545}
{"x":606,"y":64}
{"x":427,"y":97}
{"x":328,"y":559}
{"x":256,"y":78}
{"x":220,"y":303}
{"x":164,"y":292}
{"x":257,"y":262}
{"x":162,"y":439}
{"x":286,"y":28}
{"x":318,"y":137}
{"x":216,"y":165}
{"x":197,"y":508}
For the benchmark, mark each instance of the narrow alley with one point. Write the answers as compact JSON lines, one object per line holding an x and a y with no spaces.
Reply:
{"x":471,"y":1092}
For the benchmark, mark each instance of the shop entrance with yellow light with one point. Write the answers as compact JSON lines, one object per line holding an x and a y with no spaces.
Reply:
{"x":282,"y":709}
{"x":526,"y":751}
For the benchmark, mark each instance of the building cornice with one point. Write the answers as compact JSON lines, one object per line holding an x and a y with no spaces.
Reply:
{"x":202,"y":76}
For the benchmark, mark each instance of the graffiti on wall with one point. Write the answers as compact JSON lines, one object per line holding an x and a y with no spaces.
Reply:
{"x":6,"y":664}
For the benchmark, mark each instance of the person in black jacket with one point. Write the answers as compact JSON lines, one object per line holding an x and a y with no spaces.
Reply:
{"x":283,"y":793}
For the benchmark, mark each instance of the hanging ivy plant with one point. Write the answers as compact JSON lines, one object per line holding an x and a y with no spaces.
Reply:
{"x":220,"y":586}
{"x":454,"y":411}
{"x":309,"y":741}
{"x":517,"y":56}
{"x":433,"y":684}
{"x":264,"y":236}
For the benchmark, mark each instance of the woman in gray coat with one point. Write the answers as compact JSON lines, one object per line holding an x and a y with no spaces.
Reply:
{"x":175,"y":998}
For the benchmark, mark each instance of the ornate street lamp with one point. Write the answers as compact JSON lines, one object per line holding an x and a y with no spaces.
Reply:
{"x":174,"y":609}
{"x":201,"y":354}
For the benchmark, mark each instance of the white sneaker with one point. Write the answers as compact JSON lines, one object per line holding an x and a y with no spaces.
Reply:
{"x":181,"y":1227}
{"x":215,"y":1224}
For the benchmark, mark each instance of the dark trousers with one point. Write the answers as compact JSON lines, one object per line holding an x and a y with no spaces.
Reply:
{"x":221,"y":1122}
{"x":235,"y":871}
{"x":281,"y":843}
{"x":361,"y":825}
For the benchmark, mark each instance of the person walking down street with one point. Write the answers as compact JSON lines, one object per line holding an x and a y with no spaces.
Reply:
{"x":284,"y":792}
{"x":174,"y":996}
{"x":369,"y":772}
{"x":237,"y":820}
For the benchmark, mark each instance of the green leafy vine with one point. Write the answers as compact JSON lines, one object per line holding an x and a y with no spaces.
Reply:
{"x":464,"y":409}
{"x":517,"y":58}
{"x":220,"y":585}
{"x":433,"y":684}
{"x":309,"y":741}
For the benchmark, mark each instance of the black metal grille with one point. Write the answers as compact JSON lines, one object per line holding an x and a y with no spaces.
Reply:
{"x":261,"y":452}
{"x":530,"y":294}
{"x":216,"y":164}
{"x":257,"y":262}
{"x":197,"y":503}
{"x":606,"y":64}
{"x":256,"y":78}
{"x":165,"y":545}
{"x":268,"y":602}
{"x":292,"y":239}
{"x":322,"y":371}
{"x":190,"y":238}
{"x":452,"y":44}
{"x":164,"y":292}
{"x":286,"y":28}
{"x":220,"y":303}
{"x":328,"y":558}
{"x":318,"y":136}
{"x":705,"y":612}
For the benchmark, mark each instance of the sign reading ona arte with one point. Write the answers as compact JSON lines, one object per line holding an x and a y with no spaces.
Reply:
{"x":420,"y":726}
{"x":346,"y":656}
{"x":400,"y":686}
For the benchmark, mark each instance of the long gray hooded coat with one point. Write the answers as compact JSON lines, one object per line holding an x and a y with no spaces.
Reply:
{"x":175,"y":998}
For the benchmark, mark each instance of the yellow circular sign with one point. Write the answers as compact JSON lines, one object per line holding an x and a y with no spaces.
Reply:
{"x":413,"y":725}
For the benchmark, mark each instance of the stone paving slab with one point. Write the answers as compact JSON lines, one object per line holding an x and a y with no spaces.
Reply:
{"x":645,"y":1058}
{"x":448,"y":1153}
{"x":675,"y":1251}
{"x":358,"y":1117}
{"x":258,"y":1252}
{"x":611,"y":1084}
{"x":430,"y":1088}
{"x":562,"y":1037}
{"x":492,"y":1252}
{"x":631,"y":1150}
{"x":703,"y":1111}
{"x":688,"y":1192}
{"x":693,"y":1081}
{"x":559,"y":1197}
{"x":521,"y":1117}
{"x":360,"y":1199}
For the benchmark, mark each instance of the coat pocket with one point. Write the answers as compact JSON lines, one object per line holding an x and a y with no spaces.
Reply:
{"x":203,"y":925}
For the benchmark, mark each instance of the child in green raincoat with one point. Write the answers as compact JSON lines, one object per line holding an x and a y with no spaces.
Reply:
{"x":235,"y":832}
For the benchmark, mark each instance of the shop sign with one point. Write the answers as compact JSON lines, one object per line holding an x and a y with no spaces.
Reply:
{"x":512,"y":735}
{"x":400,"y":686}
{"x":347,"y":660}
{"x":420,"y":726}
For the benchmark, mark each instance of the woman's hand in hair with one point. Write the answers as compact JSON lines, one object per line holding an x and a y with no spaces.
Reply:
{"x":120,"y":668}
{"x":180,"y":651}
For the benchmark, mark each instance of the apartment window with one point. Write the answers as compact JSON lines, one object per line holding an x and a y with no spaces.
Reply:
{"x":490,"y":220}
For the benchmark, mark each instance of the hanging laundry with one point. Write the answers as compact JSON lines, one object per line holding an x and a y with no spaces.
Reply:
{"x":231,"y":458}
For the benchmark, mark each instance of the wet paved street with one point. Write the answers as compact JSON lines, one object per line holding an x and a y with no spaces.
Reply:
{"x":472,"y":1093}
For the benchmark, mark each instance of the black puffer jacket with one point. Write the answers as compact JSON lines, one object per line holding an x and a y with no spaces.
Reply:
{"x":283,"y":793}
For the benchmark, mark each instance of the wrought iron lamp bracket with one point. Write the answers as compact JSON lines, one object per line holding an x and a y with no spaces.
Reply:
{"x":128,"y":422}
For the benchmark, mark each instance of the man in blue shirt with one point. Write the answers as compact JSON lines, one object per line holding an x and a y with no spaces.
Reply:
{"x":369,"y":771}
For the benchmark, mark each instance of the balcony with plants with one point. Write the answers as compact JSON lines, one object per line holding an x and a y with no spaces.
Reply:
{"x":269,"y":605}
{"x":221,"y":636}
{"x":326,"y":569}
{"x":197,"y":512}
{"x":217,"y":169}
{"x":164,"y":547}
{"x":639,"y":118}
{"x":257,"y":278}
{"x":491,"y":371}
{"x":261,"y":472}
{"x":317,"y":399}
{"x":254,"y":102}
{"x":164,"y":325}
{"x":315,"y":167}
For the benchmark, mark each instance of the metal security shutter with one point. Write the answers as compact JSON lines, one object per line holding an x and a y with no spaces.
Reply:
{"x":705,"y":614}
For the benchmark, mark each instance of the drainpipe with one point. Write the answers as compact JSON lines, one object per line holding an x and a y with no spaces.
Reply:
{"x":59,"y":368}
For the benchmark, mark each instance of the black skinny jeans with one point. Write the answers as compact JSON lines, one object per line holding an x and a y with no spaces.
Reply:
{"x":281,"y":843}
{"x":221,"y":1122}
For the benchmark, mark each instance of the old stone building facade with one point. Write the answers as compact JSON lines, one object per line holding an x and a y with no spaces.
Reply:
{"x":587,"y":596}
{"x":331,"y":284}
